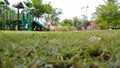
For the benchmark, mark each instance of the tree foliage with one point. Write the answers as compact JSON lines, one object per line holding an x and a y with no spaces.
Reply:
{"x":41,"y":8}
{"x":54,"y":16}
{"x":76,"y":21}
{"x":108,"y":13}
{"x":67,"y":22}
{"x":46,"y":11}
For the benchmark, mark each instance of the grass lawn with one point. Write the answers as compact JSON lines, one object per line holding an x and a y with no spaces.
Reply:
{"x":83,"y":49}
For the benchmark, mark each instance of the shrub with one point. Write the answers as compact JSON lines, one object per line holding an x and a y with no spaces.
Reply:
{"x":66,"y":28}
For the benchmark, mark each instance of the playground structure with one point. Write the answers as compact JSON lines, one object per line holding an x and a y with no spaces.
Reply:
{"x":20,"y":21}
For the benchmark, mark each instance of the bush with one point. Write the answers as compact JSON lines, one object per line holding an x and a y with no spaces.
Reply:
{"x":66,"y":28}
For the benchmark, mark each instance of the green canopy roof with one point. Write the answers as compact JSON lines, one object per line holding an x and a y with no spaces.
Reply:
{"x":27,"y":3}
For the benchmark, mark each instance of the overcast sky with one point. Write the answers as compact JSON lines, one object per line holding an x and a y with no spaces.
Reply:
{"x":72,"y":8}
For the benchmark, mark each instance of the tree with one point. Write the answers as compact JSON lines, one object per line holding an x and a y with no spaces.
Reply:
{"x":76,"y":21}
{"x":41,"y":8}
{"x":108,"y":14}
{"x":54,"y":16}
{"x":84,"y":21}
{"x":67,"y":22}
{"x":46,"y":11}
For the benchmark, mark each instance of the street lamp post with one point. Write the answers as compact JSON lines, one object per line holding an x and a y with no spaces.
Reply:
{"x":85,"y":11}
{"x":85,"y":17}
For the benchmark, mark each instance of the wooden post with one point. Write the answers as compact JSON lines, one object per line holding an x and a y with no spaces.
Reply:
{"x":18,"y":15}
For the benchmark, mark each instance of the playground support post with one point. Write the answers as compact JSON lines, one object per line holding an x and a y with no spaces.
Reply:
{"x":18,"y":14}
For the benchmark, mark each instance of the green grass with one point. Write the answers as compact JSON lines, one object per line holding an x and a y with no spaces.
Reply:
{"x":20,"y":49}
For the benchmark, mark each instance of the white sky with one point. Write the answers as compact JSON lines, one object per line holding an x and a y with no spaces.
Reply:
{"x":72,"y":8}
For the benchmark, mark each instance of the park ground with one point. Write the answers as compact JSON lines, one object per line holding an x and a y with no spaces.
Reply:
{"x":78,"y":49}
